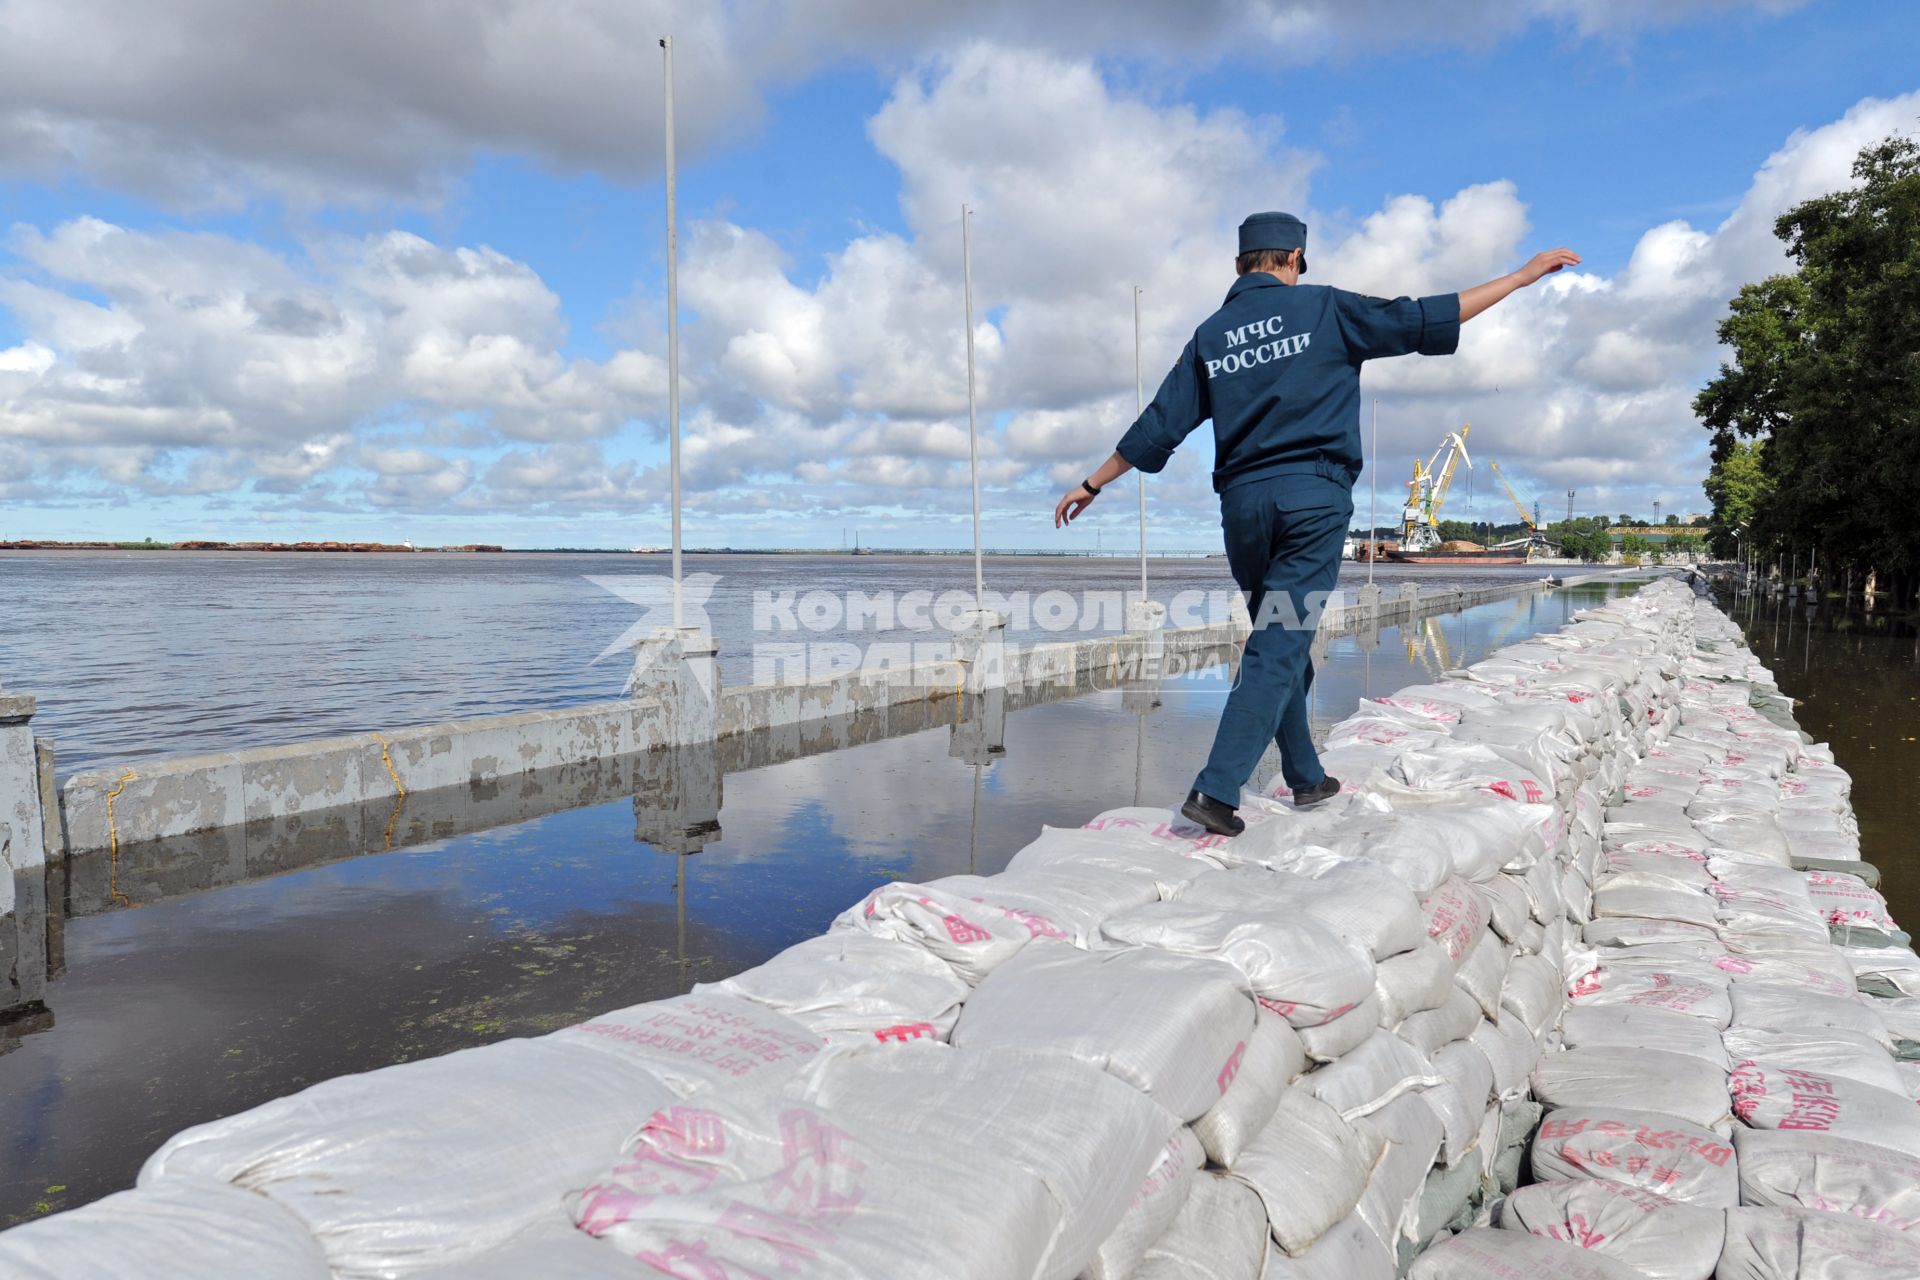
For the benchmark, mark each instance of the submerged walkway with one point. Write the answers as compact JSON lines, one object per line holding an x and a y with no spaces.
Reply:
{"x":1563,"y":906}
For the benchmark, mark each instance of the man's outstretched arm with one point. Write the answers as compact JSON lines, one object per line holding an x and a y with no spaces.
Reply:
{"x":1477,"y":299}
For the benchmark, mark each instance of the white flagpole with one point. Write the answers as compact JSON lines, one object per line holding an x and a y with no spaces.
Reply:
{"x":973,"y":428}
{"x":1373,"y":493}
{"x":673,"y":332}
{"x":1139,"y":407}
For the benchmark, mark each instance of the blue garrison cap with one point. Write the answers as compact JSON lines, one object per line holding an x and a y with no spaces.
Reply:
{"x":1280,"y":231}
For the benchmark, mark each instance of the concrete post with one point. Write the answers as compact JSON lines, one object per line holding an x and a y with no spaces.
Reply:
{"x":981,"y":736}
{"x":54,"y":838}
{"x":23,"y":861}
{"x":980,"y":646}
{"x":677,"y":797}
{"x":679,"y":666}
{"x":1146,"y":640}
{"x":1410,"y":598}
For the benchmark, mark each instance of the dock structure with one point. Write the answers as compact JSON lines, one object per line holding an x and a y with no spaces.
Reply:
{"x":1591,"y":908}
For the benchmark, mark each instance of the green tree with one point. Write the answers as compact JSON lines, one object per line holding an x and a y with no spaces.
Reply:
{"x":1826,"y":371}
{"x":1673,"y":521}
{"x":1738,"y":486}
{"x":1634,"y":548}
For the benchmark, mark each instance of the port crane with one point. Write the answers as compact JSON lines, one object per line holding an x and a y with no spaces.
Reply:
{"x":1427,"y":492}
{"x":1534,"y":539}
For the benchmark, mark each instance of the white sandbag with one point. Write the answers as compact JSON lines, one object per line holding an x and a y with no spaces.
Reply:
{"x":1412,"y":981}
{"x":1645,"y":1079}
{"x":1817,"y":970}
{"x":1620,"y":1026}
{"x":1087,"y":1137}
{"x":1415,"y":850}
{"x":855,"y":986}
{"x":1508,"y":907}
{"x":1834,"y":1175}
{"x":1274,"y":1056}
{"x":1619,"y":931}
{"x":1066,"y":904}
{"x":1487,"y":1252}
{"x":1310,"y":1168}
{"x":1300,"y":967}
{"x":1381,"y":1069}
{"x":1801,"y":1244}
{"x":1169,"y":1025}
{"x":1134,"y":850}
{"x":1510,"y":1051}
{"x":1767,"y":1096}
{"x":1659,"y":1238}
{"x":1430,"y":1030}
{"x":1331,"y":1041}
{"x":1617,"y":897}
{"x":1643,"y":1149}
{"x":1357,"y":900}
{"x":756,"y":1182}
{"x":1771,"y":1006}
{"x":1219,"y":1234}
{"x":1846,"y":900}
{"x":1696,"y":991}
{"x":1482,"y":971}
{"x":424,"y":1163}
{"x":1157,"y":1202}
{"x":1348,"y":1251}
{"x":1460,"y":1099}
{"x":181,"y":1229}
{"x":1413,"y":1135}
{"x":705,"y":1039}
{"x":1455,"y":918}
{"x":971,"y":936}
{"x":1822,"y":1049}
{"x":1532,"y":993}
{"x":1899,"y":967}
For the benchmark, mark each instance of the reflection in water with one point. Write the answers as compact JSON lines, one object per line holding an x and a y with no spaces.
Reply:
{"x":1855,"y":678}
{"x":269,"y":958}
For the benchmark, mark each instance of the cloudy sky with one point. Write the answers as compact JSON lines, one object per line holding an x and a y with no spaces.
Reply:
{"x":395,"y":268}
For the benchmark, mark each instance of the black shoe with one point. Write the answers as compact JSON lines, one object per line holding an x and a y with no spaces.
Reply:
{"x":1211,"y":814}
{"x":1326,"y":789}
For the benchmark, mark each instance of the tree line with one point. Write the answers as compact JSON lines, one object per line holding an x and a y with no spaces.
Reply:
{"x":1816,"y":418}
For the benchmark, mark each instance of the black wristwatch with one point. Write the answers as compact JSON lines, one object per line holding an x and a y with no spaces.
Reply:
{"x":1092,"y":488}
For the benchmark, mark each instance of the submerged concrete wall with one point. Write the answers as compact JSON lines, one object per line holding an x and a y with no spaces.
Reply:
{"x":172,"y":796}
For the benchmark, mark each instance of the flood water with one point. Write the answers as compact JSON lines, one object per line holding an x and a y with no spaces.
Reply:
{"x":133,"y":654}
{"x":196,"y":1006}
{"x":1855,"y":678}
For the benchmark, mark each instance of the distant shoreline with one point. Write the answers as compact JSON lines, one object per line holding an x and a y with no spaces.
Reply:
{"x":383,"y":548}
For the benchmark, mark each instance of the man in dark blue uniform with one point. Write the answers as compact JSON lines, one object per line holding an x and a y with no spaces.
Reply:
{"x":1277,"y":368}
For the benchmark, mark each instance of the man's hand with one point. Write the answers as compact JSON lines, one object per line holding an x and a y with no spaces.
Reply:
{"x":1545,"y":264}
{"x":1071,"y":504}
{"x":1477,"y":299}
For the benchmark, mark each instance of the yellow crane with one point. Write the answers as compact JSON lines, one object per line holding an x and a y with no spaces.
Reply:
{"x":1427,"y":492}
{"x":1518,"y":505}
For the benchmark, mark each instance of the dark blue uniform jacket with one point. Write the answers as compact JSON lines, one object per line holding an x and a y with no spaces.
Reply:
{"x":1277,"y":368}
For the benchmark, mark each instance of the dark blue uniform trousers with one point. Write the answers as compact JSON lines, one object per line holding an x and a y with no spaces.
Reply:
{"x":1284,"y":535}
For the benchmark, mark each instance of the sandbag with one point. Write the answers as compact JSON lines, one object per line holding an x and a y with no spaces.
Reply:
{"x":1796,"y":1169}
{"x":1274,"y":1056}
{"x":1132,"y":846}
{"x":425,"y":1163}
{"x":1510,"y":1051}
{"x":554,"y":1249}
{"x":1659,"y":1238}
{"x":1357,"y":900}
{"x":853,"y":986}
{"x":1623,"y":1026}
{"x":1532,"y":993}
{"x":754,"y":1180}
{"x":1644,"y":1149}
{"x":1171,"y":1026}
{"x":1671,"y":1083}
{"x":1299,"y":967}
{"x":1066,"y":904}
{"x":1488,"y":1251}
{"x":1822,"y":1049}
{"x":1483,"y":970}
{"x":1771,"y":1006}
{"x":1412,"y":981}
{"x":1348,"y":1251}
{"x":1309,"y":1167}
{"x":1158,"y":1201}
{"x":1219,"y":1234}
{"x":1090,"y":1139}
{"x":1413,"y":1136}
{"x":181,"y":1229}
{"x":970,"y":936}
{"x":1801,"y":1244}
{"x":1767,"y":1096}
{"x":1455,"y":917}
{"x":1429,"y":1030}
{"x":1331,"y":1041}
{"x":703,"y":1040}
{"x":1367,"y":1079}
{"x":1460,"y":1099}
